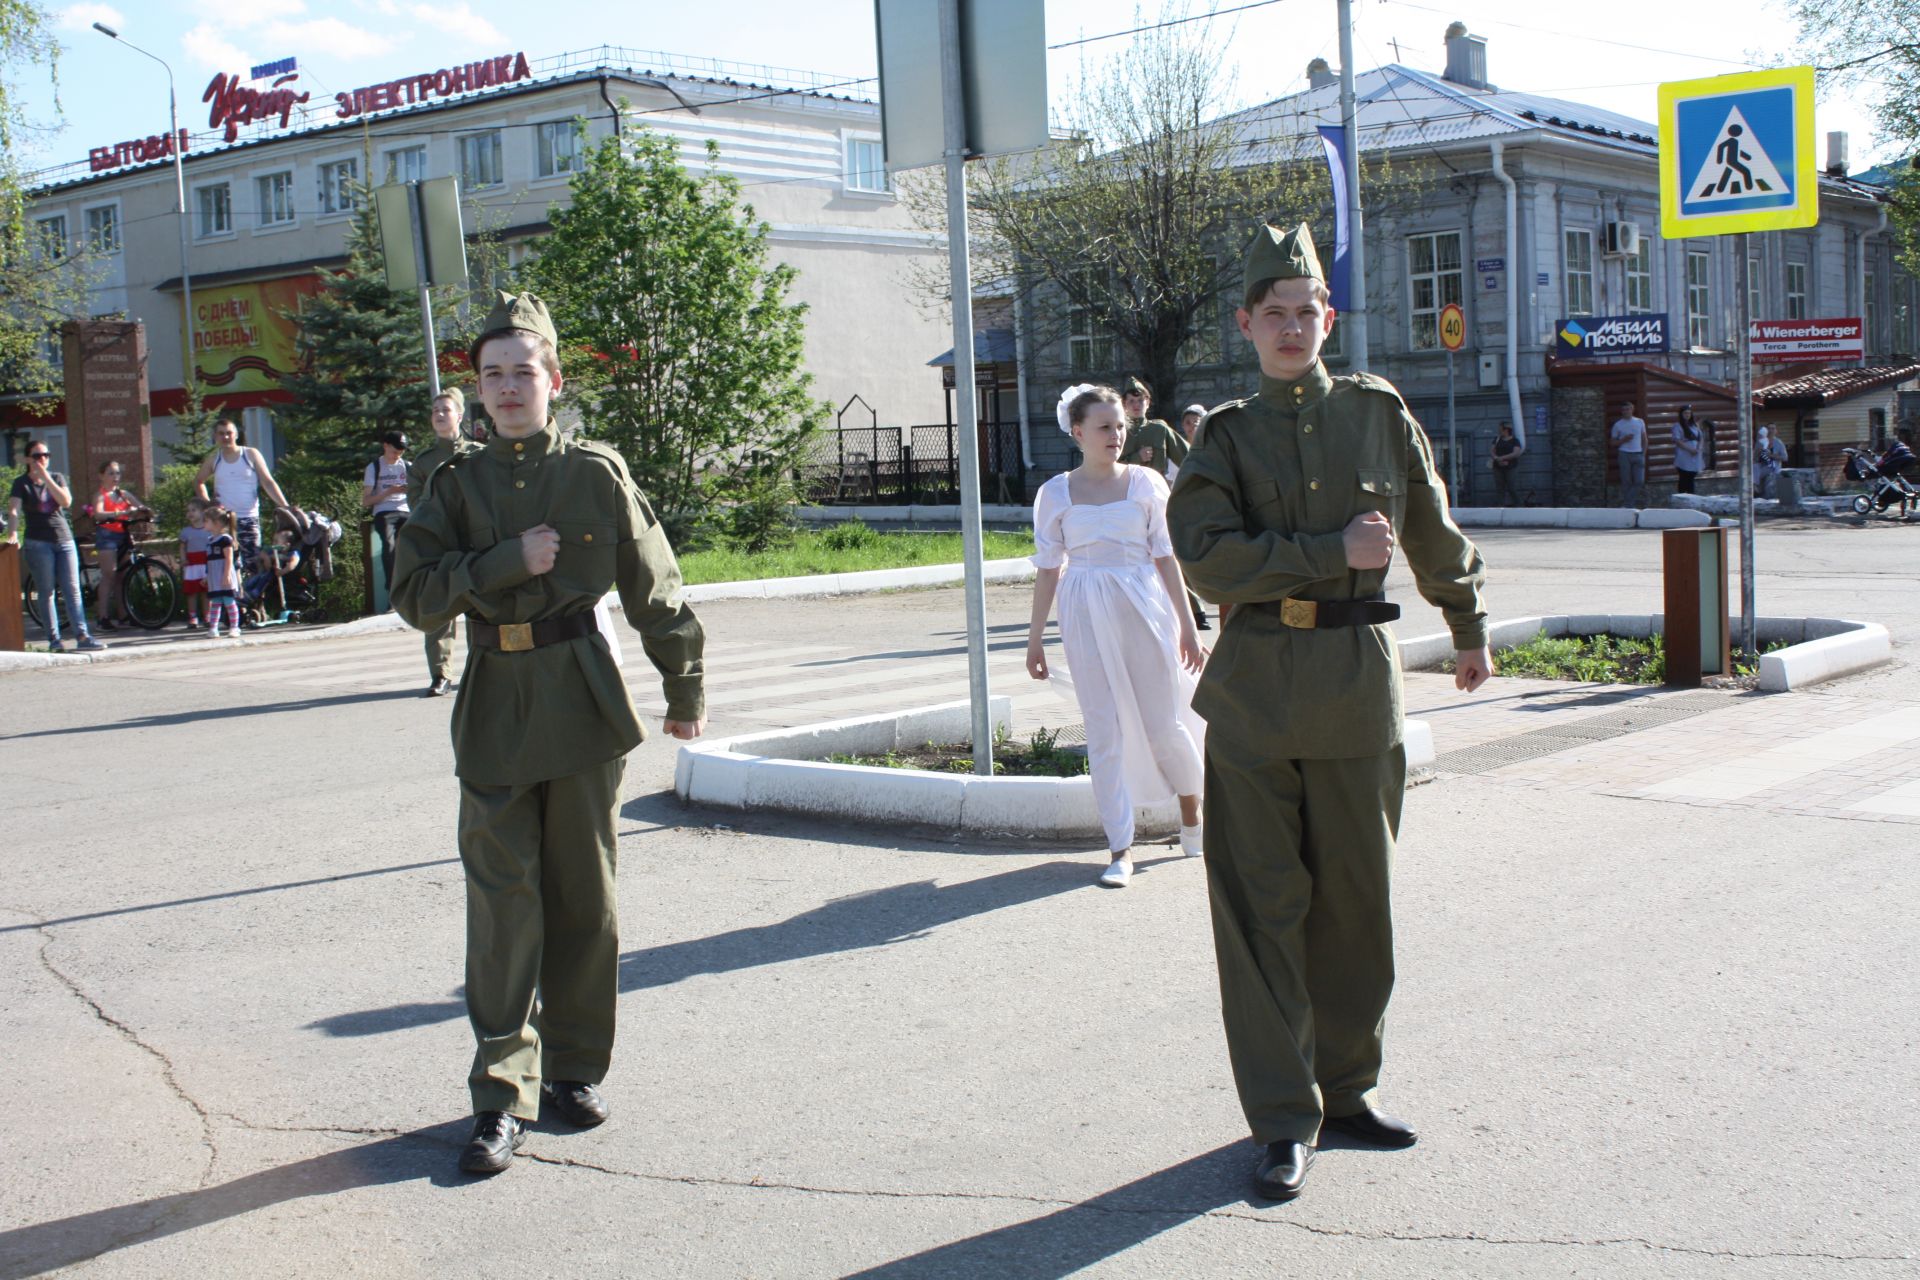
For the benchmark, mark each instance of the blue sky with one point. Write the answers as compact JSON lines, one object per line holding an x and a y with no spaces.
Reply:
{"x":111,"y":94}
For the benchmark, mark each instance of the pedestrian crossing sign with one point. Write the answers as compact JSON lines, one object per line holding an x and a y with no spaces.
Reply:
{"x":1737,"y":154}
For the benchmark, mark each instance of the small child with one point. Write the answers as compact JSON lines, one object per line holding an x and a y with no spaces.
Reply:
{"x":282,"y":559}
{"x":193,"y":562}
{"x":222,"y":531}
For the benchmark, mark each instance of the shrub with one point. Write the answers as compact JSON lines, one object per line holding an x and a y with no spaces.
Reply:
{"x":849,"y":535}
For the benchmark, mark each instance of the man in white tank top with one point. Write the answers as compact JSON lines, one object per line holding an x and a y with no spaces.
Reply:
{"x":239,"y":473}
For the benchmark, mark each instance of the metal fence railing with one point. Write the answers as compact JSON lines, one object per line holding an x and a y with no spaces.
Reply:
{"x":906,"y":465}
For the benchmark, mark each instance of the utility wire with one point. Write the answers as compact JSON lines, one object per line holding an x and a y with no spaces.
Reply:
{"x":1155,"y":26}
{"x":1589,"y":39}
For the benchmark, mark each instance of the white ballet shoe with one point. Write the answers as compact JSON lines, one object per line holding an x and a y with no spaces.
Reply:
{"x":1117,"y":875}
{"x":1190,"y":841}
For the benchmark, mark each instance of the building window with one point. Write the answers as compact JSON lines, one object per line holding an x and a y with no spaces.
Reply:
{"x":274,"y":193}
{"x":1640,"y":277}
{"x":213,"y":211}
{"x":1699,"y":297}
{"x":1872,"y":298}
{"x":557,"y":148}
{"x":50,"y":242}
{"x":339,"y":185}
{"x":1796,"y":291}
{"x":1089,"y":345}
{"x":103,"y":229}
{"x":480,"y":160}
{"x":866,"y":165}
{"x":1435,"y":279}
{"x":1579,"y":272}
{"x":409,"y":164}
{"x":1209,"y":320}
{"x":53,"y":349}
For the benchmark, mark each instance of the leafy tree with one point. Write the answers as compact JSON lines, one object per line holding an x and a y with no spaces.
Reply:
{"x":194,"y":426}
{"x":681,"y":349}
{"x":1874,"y":45}
{"x":363,"y":365}
{"x":42,"y":283}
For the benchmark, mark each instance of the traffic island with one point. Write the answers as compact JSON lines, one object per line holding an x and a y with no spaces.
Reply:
{"x":786,"y":771}
{"x":1817,"y":649}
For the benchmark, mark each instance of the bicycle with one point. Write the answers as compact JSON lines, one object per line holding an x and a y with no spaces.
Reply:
{"x":149,"y":589}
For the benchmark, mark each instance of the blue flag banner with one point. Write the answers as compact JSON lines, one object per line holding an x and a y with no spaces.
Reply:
{"x":1333,"y":140}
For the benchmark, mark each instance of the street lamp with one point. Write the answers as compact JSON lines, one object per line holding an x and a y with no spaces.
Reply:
{"x":180,"y":188}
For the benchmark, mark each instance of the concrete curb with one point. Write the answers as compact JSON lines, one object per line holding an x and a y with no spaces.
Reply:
{"x":246,"y":640}
{"x":782,"y":770}
{"x":1578,"y":518}
{"x":997,"y":513}
{"x":1818,"y":649}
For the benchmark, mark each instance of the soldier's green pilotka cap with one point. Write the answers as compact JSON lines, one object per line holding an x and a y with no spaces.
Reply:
{"x":515,"y":311}
{"x":1282,"y":255}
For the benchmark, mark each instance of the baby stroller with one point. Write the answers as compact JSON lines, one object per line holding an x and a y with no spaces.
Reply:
{"x":1885,"y":485}
{"x":285,"y":583}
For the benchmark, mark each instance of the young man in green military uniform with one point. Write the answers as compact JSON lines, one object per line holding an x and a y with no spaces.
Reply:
{"x":1150,"y":442}
{"x":523,"y":536}
{"x":448,"y":408}
{"x":1289,"y":508}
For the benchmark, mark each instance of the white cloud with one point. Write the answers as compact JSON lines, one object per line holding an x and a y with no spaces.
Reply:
{"x":208,"y":45}
{"x":261,"y":12}
{"x":324,"y":35}
{"x":79,"y":17}
{"x":462,"y":23}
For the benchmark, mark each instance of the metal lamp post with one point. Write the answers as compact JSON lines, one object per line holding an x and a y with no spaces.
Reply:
{"x":180,"y":188}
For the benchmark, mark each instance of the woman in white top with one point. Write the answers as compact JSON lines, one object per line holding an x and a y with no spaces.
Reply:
{"x":1130,"y":648}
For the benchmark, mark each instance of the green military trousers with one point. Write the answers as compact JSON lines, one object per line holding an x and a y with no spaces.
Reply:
{"x":543,"y":924}
{"x":1298,"y":861}
{"x":440,"y":653}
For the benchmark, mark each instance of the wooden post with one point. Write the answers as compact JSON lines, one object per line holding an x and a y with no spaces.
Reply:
{"x":1696,"y":635}
{"x":13,"y":623}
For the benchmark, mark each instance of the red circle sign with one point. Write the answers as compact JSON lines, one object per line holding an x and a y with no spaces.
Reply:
{"x":1453,"y":326}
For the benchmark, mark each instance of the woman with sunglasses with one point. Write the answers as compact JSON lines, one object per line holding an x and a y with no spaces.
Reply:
{"x":43,"y":497}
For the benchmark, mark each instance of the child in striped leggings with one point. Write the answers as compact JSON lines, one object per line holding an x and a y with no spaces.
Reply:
{"x":222,"y":579}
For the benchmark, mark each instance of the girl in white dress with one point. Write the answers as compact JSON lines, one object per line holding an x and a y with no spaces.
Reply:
{"x":1100,"y":543}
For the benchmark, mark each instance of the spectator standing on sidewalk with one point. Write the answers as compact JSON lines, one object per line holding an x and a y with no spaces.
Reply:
{"x":1507,"y":452}
{"x":113,"y":510}
{"x":449,"y":407}
{"x":384,"y":492}
{"x":194,"y":540}
{"x":239,"y":473}
{"x":1150,"y":442}
{"x":53,"y":561}
{"x":1689,"y":450}
{"x":1629,"y":437}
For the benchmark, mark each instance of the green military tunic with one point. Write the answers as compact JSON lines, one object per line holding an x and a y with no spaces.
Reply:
{"x":439,"y":641}
{"x":1305,"y":770}
{"x":540,"y":738}
{"x":1168,"y":447}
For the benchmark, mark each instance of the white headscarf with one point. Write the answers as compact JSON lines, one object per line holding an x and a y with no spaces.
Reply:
{"x":1067,"y":398}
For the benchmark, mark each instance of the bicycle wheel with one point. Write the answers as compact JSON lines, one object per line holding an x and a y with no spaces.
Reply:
{"x":151,"y":593}
{"x":32,"y":596}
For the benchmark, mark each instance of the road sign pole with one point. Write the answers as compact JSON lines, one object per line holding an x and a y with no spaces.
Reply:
{"x":417,"y":220}
{"x":966,"y":413}
{"x":1744,"y":382}
{"x":1453,"y":439}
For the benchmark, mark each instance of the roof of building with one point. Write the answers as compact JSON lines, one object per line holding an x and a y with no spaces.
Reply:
{"x":1830,"y":386}
{"x":990,"y":346}
{"x":549,"y":73}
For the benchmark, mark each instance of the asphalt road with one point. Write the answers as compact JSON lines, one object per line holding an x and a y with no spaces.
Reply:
{"x":1640,"y":1039}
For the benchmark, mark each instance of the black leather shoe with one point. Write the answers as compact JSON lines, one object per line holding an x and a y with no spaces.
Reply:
{"x":496,"y":1136}
{"x":1283,"y":1170}
{"x":1200,"y":622}
{"x":440,"y":687}
{"x":580,"y":1105}
{"x":1373,"y":1128}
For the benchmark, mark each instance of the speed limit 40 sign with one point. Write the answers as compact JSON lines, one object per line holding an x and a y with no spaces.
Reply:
{"x":1453,"y":326}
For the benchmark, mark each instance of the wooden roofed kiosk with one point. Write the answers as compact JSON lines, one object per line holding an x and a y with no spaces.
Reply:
{"x":1587,"y":395}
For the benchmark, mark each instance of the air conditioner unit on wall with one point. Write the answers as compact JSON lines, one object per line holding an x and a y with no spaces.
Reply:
{"x":1623,"y":239}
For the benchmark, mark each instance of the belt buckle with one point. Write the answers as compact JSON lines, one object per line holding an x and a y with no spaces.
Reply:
{"x":1304,"y":614}
{"x":516,"y":637}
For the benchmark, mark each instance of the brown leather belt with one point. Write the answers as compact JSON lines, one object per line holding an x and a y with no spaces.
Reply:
{"x":518,"y":637}
{"x":1316,"y":615}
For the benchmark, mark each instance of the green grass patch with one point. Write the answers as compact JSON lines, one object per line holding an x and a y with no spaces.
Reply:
{"x":1599,"y":659}
{"x":1040,"y":756}
{"x":843,"y":549}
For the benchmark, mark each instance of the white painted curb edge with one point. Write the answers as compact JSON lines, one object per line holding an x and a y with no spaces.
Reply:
{"x":744,"y":772}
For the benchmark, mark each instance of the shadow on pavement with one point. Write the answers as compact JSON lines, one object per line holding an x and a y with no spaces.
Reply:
{"x":49,"y":1246}
{"x":1081,"y":1235}
{"x":876,"y":918}
{"x":220,"y":713}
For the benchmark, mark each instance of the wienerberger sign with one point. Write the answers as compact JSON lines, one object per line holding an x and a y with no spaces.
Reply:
{"x":1786,"y":341}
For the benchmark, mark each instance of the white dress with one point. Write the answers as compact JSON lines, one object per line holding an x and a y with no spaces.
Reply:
{"x":1121,"y":641}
